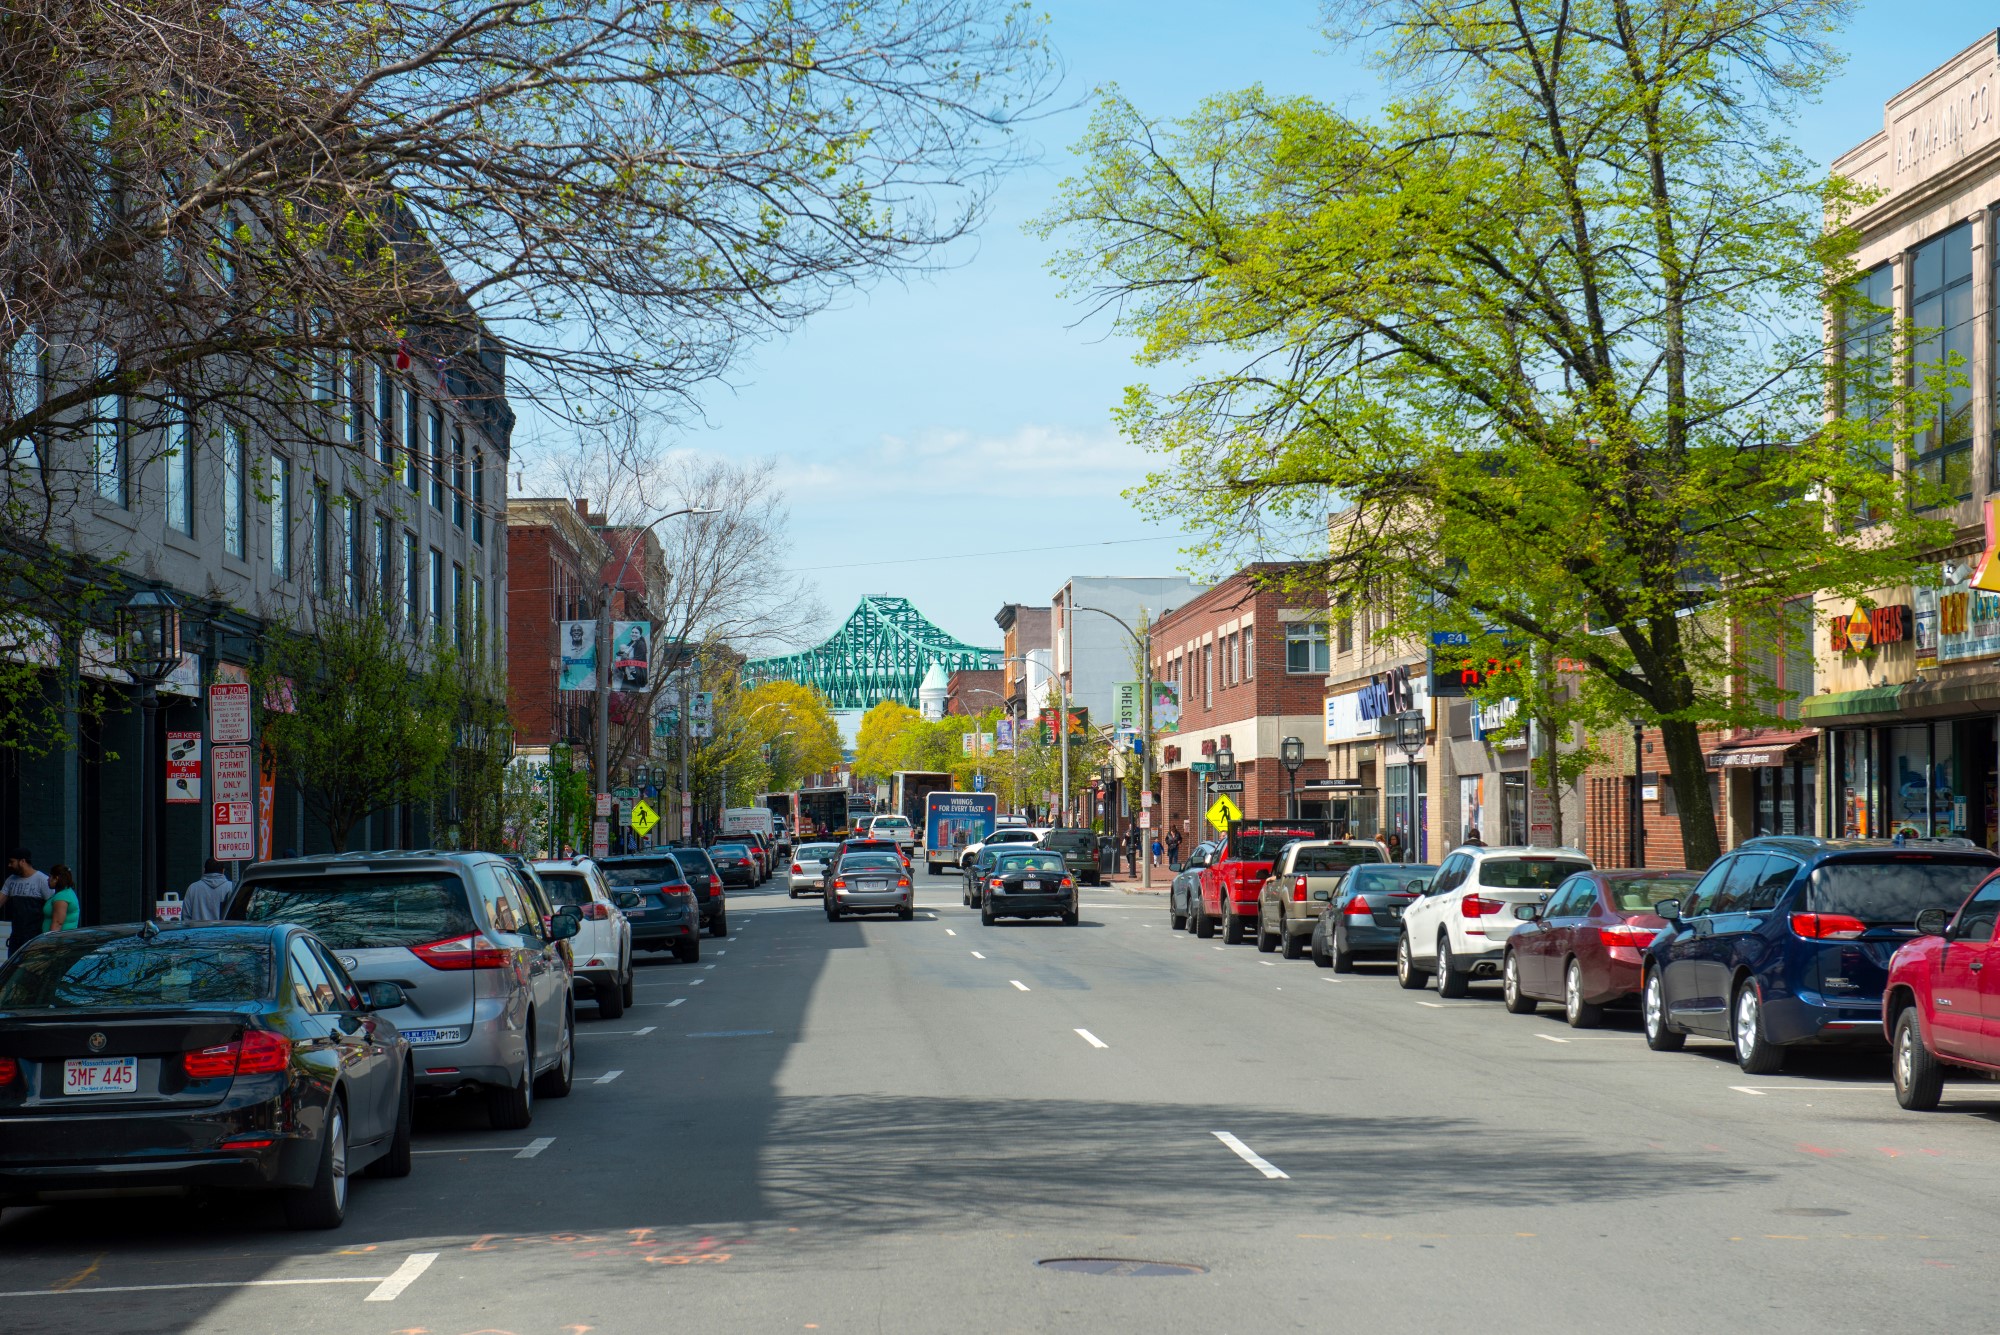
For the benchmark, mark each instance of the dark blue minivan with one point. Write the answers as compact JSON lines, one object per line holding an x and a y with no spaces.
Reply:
{"x":1786,"y":940}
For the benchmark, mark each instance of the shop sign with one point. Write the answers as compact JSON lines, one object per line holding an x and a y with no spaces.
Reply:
{"x":1869,"y":628}
{"x":1968,"y":623}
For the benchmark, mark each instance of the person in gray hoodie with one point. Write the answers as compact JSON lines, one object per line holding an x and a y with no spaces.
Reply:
{"x":206,"y":898}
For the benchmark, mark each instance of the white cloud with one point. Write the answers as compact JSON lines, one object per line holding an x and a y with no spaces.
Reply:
{"x":942,"y":462}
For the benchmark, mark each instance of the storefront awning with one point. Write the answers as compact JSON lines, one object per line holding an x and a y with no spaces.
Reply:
{"x":1843,"y":704}
{"x":1770,"y":750}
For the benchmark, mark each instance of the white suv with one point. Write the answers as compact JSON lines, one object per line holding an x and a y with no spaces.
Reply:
{"x":1458,"y":929}
{"x":1023,"y":837}
{"x":602,"y":947}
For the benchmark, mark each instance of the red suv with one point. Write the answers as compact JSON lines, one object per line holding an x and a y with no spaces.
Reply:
{"x":1942,"y":1004}
{"x":1230,"y":885}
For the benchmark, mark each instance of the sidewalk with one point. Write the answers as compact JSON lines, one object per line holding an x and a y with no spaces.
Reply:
{"x":1162,"y":879}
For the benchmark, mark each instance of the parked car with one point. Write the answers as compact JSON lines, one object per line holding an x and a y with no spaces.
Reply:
{"x":1301,"y":883}
{"x":601,"y":952}
{"x":226,"y":1055}
{"x":1458,"y":929}
{"x":1364,"y":918}
{"x":1787,"y":940}
{"x":1021,"y":836}
{"x":738,"y":864}
{"x":1233,"y":881}
{"x":1030,"y":884}
{"x":1585,"y":948}
{"x":870,"y":882}
{"x":1079,"y":854}
{"x":668,"y":914}
{"x":808,"y":869}
{"x":1939,"y":1011}
{"x":1185,"y":893}
{"x":487,"y":1000}
{"x":705,"y":878}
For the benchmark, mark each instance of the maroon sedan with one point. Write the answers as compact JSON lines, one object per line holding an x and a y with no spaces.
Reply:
{"x":1582,"y":946}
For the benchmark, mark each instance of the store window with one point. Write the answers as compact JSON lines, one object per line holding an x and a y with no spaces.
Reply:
{"x":1941,"y":311}
{"x":1868,"y":357}
{"x":1918,"y":780}
{"x":1513,"y":809}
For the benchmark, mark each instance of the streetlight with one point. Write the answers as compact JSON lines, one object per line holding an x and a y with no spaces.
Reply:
{"x":1144,"y":644}
{"x":149,"y":649}
{"x":1410,"y":740}
{"x":1292,"y":754}
{"x":1062,"y":725}
{"x":1225,"y":765}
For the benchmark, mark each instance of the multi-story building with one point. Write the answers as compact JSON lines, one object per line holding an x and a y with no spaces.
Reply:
{"x":1023,"y":630}
{"x":1094,"y":622}
{"x":558,"y":559}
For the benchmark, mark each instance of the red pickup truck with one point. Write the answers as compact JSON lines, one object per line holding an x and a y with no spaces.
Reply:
{"x":1937,"y":1010}
{"x":1231,"y":884}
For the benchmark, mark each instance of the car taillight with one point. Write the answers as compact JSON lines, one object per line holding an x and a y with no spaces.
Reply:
{"x":1357,"y":907}
{"x":902,"y":881}
{"x":471,"y":951}
{"x":9,"y":1068}
{"x":715,"y":882}
{"x":1068,"y":884}
{"x":797,"y":870}
{"x":596,"y":912}
{"x":209,"y":1063}
{"x":839,"y":884}
{"x":258,"y":1052}
{"x":1298,"y":890}
{"x":995,"y":883}
{"x":1827,"y":926}
{"x":1472,"y":906}
{"x":1636,"y":938}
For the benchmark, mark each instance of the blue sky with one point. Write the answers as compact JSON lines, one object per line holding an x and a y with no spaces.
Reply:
{"x":968,"y":412}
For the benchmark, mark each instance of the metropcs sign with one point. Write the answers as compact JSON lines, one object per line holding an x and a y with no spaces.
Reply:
{"x":1868,"y":628}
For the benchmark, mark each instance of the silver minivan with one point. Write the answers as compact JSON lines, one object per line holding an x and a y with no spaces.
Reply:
{"x":471,"y":938}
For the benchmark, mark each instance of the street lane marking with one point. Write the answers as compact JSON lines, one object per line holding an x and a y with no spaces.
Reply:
{"x":976,"y":955}
{"x":535,"y":1147}
{"x":515,"y":1150}
{"x":1269,"y":964}
{"x":731,"y":1033}
{"x":1760,"y":1091}
{"x":949,"y":932}
{"x":1434,"y":1005}
{"x":199,"y":1284}
{"x":1018,"y":983}
{"x":401,"y":1277}
{"x":708,"y":966}
{"x":629,"y":1033}
{"x":607,"y":1077}
{"x":1088,"y":1037}
{"x":1250,"y":1156}
{"x":720,"y":953}
{"x":1594,"y":1038}
{"x":676,"y":1001}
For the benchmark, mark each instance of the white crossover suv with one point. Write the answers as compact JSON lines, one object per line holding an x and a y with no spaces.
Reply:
{"x":1458,"y":929}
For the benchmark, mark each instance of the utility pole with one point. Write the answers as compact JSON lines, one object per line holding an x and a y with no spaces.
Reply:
{"x":1062,"y":685}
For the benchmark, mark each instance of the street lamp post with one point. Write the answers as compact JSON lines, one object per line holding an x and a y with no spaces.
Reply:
{"x":1410,"y":740}
{"x":1292,"y":754}
{"x":149,"y":649}
{"x":1144,"y":643}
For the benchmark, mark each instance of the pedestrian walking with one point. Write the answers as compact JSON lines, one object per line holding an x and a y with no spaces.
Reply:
{"x":1173,"y":846}
{"x":1472,"y":837}
{"x":205,"y":900}
{"x":21,"y":896}
{"x":1394,"y":843}
{"x":1131,"y":851}
{"x":62,"y":911}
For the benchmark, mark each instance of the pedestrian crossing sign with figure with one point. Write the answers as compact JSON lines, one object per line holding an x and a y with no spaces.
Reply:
{"x":1222,"y":811}
{"x":644,"y":818}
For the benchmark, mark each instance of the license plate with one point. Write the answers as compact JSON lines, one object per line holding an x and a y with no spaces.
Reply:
{"x":1031,"y":885}
{"x":635,"y":913}
{"x":434,"y":1035}
{"x":101,"y":1075}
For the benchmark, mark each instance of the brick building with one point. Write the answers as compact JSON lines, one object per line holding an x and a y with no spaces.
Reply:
{"x":1242,"y":655}
{"x":973,"y":691}
{"x":1023,"y":630}
{"x":558,"y":558}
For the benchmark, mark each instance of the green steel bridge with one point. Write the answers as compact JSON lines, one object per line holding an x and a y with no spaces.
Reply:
{"x":881,"y":653}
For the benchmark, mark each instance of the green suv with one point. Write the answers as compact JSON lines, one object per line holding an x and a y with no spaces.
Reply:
{"x":1079,"y":850}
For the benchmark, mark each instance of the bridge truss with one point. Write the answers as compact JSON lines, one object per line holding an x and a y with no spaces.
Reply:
{"x":881,"y":653}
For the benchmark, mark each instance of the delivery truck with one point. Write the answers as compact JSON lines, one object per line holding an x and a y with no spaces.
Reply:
{"x":953,"y":820}
{"x":821,"y":812}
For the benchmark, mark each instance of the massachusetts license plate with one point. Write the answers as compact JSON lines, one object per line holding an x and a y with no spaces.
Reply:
{"x":101,"y":1075}
{"x":1031,"y":885}
{"x":434,"y":1035}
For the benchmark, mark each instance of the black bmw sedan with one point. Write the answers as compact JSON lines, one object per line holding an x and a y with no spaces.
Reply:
{"x":228,"y":1055}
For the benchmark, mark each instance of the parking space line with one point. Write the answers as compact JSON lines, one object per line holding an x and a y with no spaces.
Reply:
{"x":1018,"y":983}
{"x":1089,"y":1037}
{"x":401,"y":1277}
{"x":607,"y":1077}
{"x":1434,"y":1005}
{"x":515,"y":1150}
{"x":535,"y":1147}
{"x":1250,"y":1156}
{"x":195,"y":1284}
{"x":1760,"y":1091}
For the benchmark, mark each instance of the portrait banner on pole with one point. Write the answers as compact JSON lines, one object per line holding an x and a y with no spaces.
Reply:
{"x":576,"y":642}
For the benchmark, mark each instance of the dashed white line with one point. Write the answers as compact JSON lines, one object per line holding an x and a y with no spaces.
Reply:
{"x":976,"y":955}
{"x":1551,"y":1038}
{"x":708,"y":966}
{"x":720,"y":953}
{"x":607,"y":1077}
{"x":641,"y":1033}
{"x":1269,"y":964}
{"x":1018,"y":984}
{"x":1745,"y":1089}
{"x":949,"y":932}
{"x":1434,"y":1005}
{"x":401,"y":1277}
{"x":1250,"y":1156}
{"x":535,"y":1147}
{"x":1089,"y":1037}
{"x":677,"y":1001}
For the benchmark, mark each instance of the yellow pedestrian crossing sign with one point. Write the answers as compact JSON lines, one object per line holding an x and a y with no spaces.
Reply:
{"x":644,"y":818}
{"x":1222,"y":811}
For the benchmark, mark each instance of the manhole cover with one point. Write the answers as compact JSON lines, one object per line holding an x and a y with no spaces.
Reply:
{"x":1121,"y":1267}
{"x":1810,"y":1212}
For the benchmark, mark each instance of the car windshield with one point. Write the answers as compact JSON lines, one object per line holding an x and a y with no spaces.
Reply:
{"x":1386,"y":878}
{"x":1018,"y":862}
{"x":871,"y":862}
{"x":373,"y":912}
{"x":872,"y":846}
{"x":1528,"y":873}
{"x":1263,"y":845}
{"x":1894,"y":890}
{"x":731,"y":850}
{"x":891,"y":823}
{"x":652,"y":871}
{"x":567,"y":888}
{"x":1335,"y":857}
{"x":1641,"y":893}
{"x":65,"y":970}
{"x":1015,"y":836}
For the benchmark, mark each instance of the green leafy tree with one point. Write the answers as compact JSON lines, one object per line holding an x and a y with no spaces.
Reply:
{"x":1547,"y":330}
{"x":878,"y":742}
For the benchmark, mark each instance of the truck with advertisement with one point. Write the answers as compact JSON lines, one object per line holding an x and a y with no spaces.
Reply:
{"x":954,"y":820}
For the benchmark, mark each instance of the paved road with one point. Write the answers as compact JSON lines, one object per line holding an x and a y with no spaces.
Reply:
{"x":884,"y":1126}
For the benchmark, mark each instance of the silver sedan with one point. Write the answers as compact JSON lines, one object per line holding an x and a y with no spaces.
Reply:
{"x":808,"y":868}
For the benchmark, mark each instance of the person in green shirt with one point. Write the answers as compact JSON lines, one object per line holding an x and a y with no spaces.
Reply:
{"x":62,"y":911}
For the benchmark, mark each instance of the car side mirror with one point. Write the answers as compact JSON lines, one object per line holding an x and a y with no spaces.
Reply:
{"x":383,"y":997}
{"x":627,"y":899}
{"x":1670,"y":909}
{"x":1527,"y":912}
{"x":1414,"y":887}
{"x":565,"y":924}
{"x":1931,"y":922}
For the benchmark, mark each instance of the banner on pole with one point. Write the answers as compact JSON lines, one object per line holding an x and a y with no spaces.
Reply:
{"x":576,"y":642}
{"x":631,"y":655}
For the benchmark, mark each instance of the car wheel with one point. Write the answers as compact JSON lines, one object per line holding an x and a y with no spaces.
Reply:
{"x":556,"y":1082}
{"x":721,"y":925}
{"x":1756,"y":1054}
{"x":1267,"y":941}
{"x":1069,"y":919}
{"x":1320,"y":955}
{"x":512,"y":1109}
{"x":1580,"y":1013}
{"x":1918,"y":1074}
{"x":1232,"y":927}
{"x":1511,"y":995}
{"x":1204,"y":926}
{"x":395,"y":1162}
{"x":324,"y":1203}
{"x":689,"y":951}
{"x":1408,"y":976}
{"x":1343,"y":958}
{"x":625,"y":992}
{"x":610,"y":1001}
{"x":986,"y":917}
{"x":1451,"y":980}
{"x":906,"y":914}
{"x":1289,"y":941}
{"x":1176,"y":919}
{"x":1660,"y":1036}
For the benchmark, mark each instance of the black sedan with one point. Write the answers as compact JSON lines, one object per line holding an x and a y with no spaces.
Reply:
{"x":1028,"y":885}
{"x":738,"y":865}
{"x":226,"y":1055}
{"x":668,"y":914}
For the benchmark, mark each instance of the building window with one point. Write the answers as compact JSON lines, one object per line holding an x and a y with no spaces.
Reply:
{"x":457,"y":605}
{"x":321,"y":522}
{"x":435,"y":459}
{"x":107,"y":435}
{"x":385,"y":567}
{"x":1208,"y":676}
{"x":1305,"y":647}
{"x":177,"y":462}
{"x":1941,"y":310}
{"x":1868,"y":353}
{"x":413,"y":588}
{"x":350,"y":394}
{"x":1344,"y":628}
{"x":412,"y":424}
{"x":458,"y":476}
{"x":385,"y":417}
{"x":1250,"y":653}
{"x":25,"y":370}
{"x":479,"y":495}
{"x":350,"y":550}
{"x":234,"y":478}
{"x":478,"y":610}
{"x":325,"y":361}
{"x":281,"y":517}
{"x":437,"y":591}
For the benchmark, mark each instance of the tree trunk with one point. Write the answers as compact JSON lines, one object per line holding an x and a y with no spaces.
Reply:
{"x":1552,"y":760}
{"x":1688,"y":772}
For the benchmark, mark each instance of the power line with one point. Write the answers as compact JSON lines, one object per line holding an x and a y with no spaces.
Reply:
{"x":967,"y":556}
